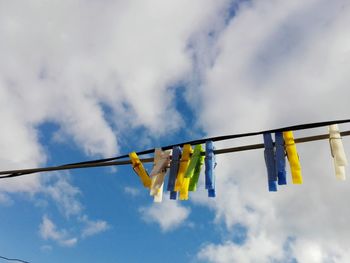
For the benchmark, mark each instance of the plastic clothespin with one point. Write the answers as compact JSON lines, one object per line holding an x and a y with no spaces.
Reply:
{"x":140,"y":170}
{"x":293,"y":157}
{"x":209,"y":168}
{"x":184,"y":161}
{"x":197,"y":170}
{"x":269,"y":155}
{"x":337,"y":151}
{"x":174,"y":168}
{"x":161,"y":162}
{"x":280,"y":158}
{"x":189,"y":172}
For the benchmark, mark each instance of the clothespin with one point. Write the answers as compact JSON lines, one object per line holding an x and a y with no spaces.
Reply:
{"x":209,"y":168}
{"x":189,"y":172}
{"x":140,"y":170}
{"x":270,"y":162}
{"x":293,"y":157}
{"x":337,"y":151}
{"x":184,"y":161}
{"x":161,"y":162}
{"x":280,"y":159}
{"x":197,"y":170}
{"x":174,"y":168}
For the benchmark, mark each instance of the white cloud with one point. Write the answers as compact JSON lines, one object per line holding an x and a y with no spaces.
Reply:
{"x":49,"y":231}
{"x":279,"y":63}
{"x":264,"y":251}
{"x":168,"y":214}
{"x":46,"y":248}
{"x":306,"y":251}
{"x":95,"y":77}
{"x":275,"y":63}
{"x":65,"y":195}
{"x":93,"y":227}
{"x":132,"y":191}
{"x":53,"y":68}
{"x":4,"y":199}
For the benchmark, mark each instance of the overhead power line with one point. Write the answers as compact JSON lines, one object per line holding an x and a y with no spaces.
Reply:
{"x":13,"y":259}
{"x":115,"y":161}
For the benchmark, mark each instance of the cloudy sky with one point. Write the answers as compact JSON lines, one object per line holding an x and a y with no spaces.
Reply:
{"x":86,"y":79}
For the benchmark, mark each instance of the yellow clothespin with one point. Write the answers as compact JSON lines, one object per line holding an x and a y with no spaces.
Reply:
{"x":184,"y":162}
{"x":140,"y":170}
{"x":337,"y":150}
{"x":293,"y":157}
{"x":161,"y":163}
{"x":192,"y":172}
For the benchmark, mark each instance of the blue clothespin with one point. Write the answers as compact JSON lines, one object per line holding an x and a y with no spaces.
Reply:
{"x":211,"y":193}
{"x":174,"y":168}
{"x":270,"y":162}
{"x":209,"y":168}
{"x":280,"y":159}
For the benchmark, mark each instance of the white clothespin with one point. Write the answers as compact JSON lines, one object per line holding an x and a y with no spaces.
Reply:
{"x":161,"y":163}
{"x":337,"y":150}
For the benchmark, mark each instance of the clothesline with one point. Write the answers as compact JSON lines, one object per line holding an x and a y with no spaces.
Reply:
{"x":94,"y":163}
{"x":304,"y":126}
{"x":185,"y":163}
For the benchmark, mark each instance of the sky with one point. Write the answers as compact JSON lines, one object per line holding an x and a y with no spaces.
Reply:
{"x":85,"y":79}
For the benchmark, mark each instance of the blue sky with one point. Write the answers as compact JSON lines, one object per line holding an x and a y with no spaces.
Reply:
{"x":90,"y":79}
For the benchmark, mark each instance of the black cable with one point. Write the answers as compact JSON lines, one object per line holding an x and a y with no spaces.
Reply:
{"x":13,"y":259}
{"x":223,"y":138}
{"x":17,"y":173}
{"x":217,"y":138}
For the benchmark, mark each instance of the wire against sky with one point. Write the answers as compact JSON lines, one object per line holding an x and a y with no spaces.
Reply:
{"x":13,"y":259}
{"x":226,"y":137}
{"x":103,"y":162}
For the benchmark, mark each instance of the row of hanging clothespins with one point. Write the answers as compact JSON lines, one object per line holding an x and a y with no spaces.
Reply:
{"x":185,"y":165}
